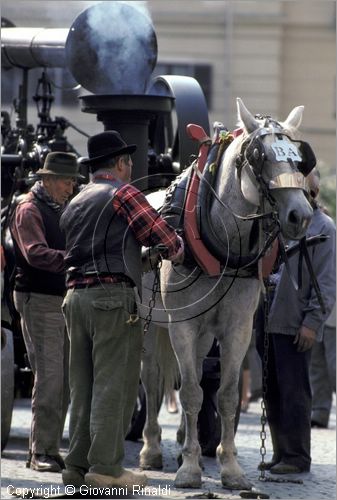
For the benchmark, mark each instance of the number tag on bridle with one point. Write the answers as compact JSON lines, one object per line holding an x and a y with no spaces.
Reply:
{"x":302,"y":154}
{"x":285,"y":150}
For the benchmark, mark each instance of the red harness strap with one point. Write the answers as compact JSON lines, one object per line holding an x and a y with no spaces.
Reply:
{"x":3,"y":258}
{"x":209,"y":264}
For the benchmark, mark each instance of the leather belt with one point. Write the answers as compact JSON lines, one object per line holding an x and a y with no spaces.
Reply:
{"x":87,"y":281}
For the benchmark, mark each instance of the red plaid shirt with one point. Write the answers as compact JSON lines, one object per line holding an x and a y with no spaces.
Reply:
{"x":148,"y":226}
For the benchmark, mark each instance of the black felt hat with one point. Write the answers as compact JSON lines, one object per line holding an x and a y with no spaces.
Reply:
{"x":61,"y":164}
{"x":108,"y":144}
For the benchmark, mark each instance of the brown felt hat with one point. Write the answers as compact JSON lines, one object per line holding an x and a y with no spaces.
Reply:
{"x":61,"y":164}
{"x":108,"y":144}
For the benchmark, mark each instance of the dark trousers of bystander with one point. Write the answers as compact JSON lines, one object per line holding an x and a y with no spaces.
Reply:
{"x":323,"y":377}
{"x":288,"y":399}
{"x":47,"y":345}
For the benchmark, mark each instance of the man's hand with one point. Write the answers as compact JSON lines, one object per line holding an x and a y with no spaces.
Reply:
{"x":304,"y":339}
{"x":180,"y":255}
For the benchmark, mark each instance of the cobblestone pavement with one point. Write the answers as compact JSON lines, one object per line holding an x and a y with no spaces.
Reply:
{"x":318,"y":484}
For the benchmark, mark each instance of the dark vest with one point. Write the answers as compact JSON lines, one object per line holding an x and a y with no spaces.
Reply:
{"x":32,"y":279}
{"x":98,"y":240}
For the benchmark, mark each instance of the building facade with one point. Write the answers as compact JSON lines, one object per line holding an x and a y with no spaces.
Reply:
{"x":275,"y":55}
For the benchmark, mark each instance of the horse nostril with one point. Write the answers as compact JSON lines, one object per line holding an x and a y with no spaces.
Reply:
{"x":293,"y":217}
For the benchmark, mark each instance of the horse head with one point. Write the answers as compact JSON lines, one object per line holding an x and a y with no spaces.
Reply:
{"x":272,"y":166}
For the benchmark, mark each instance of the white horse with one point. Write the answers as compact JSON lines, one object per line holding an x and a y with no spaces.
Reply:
{"x":258,"y":173}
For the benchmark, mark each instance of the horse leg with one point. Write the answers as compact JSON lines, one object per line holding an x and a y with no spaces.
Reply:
{"x":151,"y":453}
{"x":232,"y":353}
{"x":181,"y":430}
{"x":184,"y":343}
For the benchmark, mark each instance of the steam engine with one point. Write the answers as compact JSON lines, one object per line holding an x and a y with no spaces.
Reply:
{"x":111,"y":51}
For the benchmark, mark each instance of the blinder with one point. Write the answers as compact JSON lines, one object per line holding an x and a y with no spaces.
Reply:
{"x":308,"y":158}
{"x":302,"y":156}
{"x":255,"y":155}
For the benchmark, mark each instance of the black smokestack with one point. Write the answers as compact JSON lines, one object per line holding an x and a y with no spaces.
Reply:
{"x":112,"y":49}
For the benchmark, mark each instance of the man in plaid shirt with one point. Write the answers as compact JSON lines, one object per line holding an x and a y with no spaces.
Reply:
{"x":105,"y":226}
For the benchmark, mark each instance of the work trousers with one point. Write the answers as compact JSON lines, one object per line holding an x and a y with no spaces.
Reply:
{"x":105,"y":353}
{"x":47,"y":346}
{"x":323,"y":375}
{"x":288,"y":399}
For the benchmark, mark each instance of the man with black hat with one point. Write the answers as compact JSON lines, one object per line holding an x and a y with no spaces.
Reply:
{"x":38,"y":293}
{"x":105,"y":226}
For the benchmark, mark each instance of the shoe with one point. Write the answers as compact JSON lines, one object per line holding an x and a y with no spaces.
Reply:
{"x":127,"y":479}
{"x":266,"y":465}
{"x":58,"y":459}
{"x":283,"y":468}
{"x":44,"y":463}
{"x":73,"y":477}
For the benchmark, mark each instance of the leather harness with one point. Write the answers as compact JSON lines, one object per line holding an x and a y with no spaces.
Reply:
{"x":208,"y":256}
{"x":204,"y":254}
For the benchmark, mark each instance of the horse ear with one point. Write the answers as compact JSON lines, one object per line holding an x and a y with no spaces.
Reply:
{"x":294,"y":118}
{"x":246,"y":117}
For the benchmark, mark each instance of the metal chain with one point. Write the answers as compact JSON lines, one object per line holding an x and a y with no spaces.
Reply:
{"x":263,"y":419}
{"x":152,"y":301}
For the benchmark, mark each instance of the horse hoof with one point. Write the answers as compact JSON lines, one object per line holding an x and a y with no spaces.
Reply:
{"x":187,"y":480}
{"x":155,"y":462}
{"x":236,"y":483}
{"x":180,"y":461}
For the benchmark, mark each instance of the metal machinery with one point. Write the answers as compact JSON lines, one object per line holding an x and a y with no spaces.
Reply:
{"x":111,"y":51}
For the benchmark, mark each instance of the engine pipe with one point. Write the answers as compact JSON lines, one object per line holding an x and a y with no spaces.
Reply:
{"x":131,"y":116}
{"x":33,"y":47}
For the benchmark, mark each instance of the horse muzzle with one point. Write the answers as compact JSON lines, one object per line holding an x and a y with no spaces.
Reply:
{"x":297,"y":224}
{"x":295,"y":212}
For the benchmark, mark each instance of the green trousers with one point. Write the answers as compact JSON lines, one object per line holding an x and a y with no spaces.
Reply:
{"x":105,"y":353}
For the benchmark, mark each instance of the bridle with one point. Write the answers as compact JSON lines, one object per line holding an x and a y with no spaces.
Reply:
{"x":252,"y":158}
{"x":253,"y":155}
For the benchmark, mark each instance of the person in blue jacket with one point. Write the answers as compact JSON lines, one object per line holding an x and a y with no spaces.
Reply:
{"x":295,"y":323}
